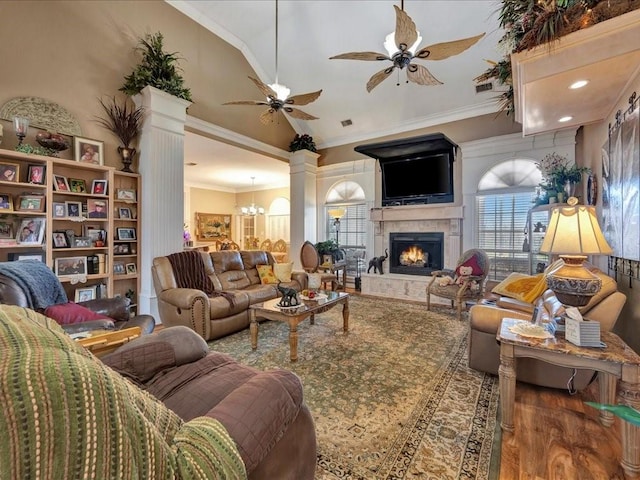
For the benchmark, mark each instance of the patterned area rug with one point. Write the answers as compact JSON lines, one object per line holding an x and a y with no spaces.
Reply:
{"x":393,"y":398}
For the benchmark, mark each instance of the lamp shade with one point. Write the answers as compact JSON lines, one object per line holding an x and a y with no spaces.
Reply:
{"x":337,"y":213}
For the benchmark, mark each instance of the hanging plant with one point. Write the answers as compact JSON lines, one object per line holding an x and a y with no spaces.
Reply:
{"x":124,"y":121}
{"x":302,"y":142}
{"x":158,"y":69}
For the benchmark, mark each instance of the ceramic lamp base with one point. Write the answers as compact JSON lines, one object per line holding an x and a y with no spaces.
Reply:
{"x":573,"y":284}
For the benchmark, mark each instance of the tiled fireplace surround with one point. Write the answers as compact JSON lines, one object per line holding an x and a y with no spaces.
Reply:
{"x":411,"y":218}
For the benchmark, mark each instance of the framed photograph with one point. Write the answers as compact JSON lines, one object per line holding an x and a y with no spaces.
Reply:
{"x":69,"y":266}
{"x":121,"y":249}
{"x":99,"y":187}
{"x":59,"y":210}
{"x":96,"y":236}
{"x":60,"y":184}
{"x":124,"y":212}
{"x":37,"y":174}
{"x":6,"y":229}
{"x":119,"y":268}
{"x":81,"y":242}
{"x":88,"y":151}
{"x":9,"y":172}
{"x":97,"y":208}
{"x":31,"y":231}
{"x":6,"y":202}
{"x":126,"y":233}
{"x":85,"y":294}
{"x":16,"y":257}
{"x":31,"y":203}
{"x":126,"y":194}
{"x":131,"y":268}
{"x":60,"y":240}
{"x":327,"y":260}
{"x":212,"y":226}
{"x":74,"y":209}
{"x":77,"y":185}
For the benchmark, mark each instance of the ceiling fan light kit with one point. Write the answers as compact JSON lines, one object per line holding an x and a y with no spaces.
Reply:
{"x":401,"y":46}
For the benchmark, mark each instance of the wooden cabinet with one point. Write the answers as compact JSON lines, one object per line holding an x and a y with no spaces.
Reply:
{"x":82,"y":220}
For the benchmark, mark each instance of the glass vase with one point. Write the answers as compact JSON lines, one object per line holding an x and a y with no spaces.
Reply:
{"x":569,"y":189}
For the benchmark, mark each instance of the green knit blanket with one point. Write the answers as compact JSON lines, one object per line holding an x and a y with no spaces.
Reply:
{"x":67,"y":415}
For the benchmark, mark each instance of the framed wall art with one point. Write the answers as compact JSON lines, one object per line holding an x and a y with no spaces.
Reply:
{"x":88,"y":151}
{"x":36,"y":174}
{"x":9,"y":172}
{"x":31,"y":203}
{"x":212,"y":226}
{"x":6,"y":202}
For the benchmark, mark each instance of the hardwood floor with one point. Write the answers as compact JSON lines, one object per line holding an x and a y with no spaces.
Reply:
{"x":558,"y":437}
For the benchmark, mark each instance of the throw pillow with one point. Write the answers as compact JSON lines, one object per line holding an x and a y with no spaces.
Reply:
{"x":315,"y":280}
{"x":473,"y":263}
{"x":526,"y":288}
{"x":282,"y":271}
{"x":69,"y":313}
{"x":265,"y":272}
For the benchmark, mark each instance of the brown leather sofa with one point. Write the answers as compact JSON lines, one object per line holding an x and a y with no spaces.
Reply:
{"x":264,"y":412}
{"x":236,"y":286}
{"x":484,"y":321}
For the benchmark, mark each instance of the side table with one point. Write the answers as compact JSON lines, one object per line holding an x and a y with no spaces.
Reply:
{"x":101,"y":342}
{"x":614,"y":363}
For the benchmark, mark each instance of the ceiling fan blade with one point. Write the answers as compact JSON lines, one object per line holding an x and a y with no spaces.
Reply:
{"x":246,"y":102}
{"x":370,"y":56}
{"x":266,"y":90}
{"x":299,"y":114}
{"x":420,"y":75}
{"x":440,"y":51}
{"x":268,"y":116}
{"x":406,"y":32}
{"x":375,"y":80}
{"x":304,"y":98}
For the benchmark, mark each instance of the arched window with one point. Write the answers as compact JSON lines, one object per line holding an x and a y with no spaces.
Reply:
{"x":505,"y":195}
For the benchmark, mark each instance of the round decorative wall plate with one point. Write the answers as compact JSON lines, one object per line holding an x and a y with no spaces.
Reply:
{"x":43,"y":114}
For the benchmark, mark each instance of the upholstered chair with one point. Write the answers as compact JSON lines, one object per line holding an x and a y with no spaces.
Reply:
{"x":463,"y":284}
{"x":310,"y":260}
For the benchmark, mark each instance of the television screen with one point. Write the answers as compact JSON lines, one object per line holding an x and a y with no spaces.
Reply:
{"x":420,"y":177}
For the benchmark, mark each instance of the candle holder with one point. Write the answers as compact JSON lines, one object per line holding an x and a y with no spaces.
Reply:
{"x":21,"y":125}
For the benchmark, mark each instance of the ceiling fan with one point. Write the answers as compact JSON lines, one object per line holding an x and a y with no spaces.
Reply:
{"x":278,"y":98}
{"x":402,"y":45}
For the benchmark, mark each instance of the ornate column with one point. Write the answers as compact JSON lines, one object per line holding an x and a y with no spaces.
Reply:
{"x":161,"y":165}
{"x":303,"y":167}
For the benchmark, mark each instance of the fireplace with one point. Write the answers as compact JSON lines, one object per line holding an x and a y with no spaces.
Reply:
{"x":417,"y":253}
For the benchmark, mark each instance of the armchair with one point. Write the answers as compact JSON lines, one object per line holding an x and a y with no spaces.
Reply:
{"x":466,"y":286}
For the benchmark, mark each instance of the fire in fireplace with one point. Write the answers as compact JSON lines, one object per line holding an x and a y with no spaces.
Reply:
{"x":417,"y":253}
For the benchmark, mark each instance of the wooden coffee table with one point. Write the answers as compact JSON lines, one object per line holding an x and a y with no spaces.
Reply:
{"x":293,"y":317}
{"x":615,"y":362}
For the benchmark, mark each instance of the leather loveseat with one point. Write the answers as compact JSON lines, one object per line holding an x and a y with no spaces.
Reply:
{"x":234,"y":282}
{"x":484,"y":321}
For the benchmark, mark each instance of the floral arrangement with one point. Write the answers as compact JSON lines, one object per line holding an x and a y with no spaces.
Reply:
{"x":302,"y":142}
{"x":556,"y":173}
{"x":123,"y":120}
{"x":186,"y":235}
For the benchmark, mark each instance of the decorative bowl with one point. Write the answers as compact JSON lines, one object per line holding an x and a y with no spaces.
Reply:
{"x":52,"y":140}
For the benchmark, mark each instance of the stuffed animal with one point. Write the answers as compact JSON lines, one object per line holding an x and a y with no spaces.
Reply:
{"x":445,"y":280}
{"x":463,"y":273}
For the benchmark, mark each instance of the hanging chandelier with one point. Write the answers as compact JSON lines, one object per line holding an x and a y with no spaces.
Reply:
{"x":252,"y":210}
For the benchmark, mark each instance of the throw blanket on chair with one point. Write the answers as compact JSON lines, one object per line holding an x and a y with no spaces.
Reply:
{"x":38,"y":280}
{"x":188,"y":269}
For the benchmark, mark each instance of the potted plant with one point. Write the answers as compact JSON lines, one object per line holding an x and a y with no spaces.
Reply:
{"x":125,"y":122}
{"x":329,"y":247}
{"x":302,"y":142}
{"x":158,"y":69}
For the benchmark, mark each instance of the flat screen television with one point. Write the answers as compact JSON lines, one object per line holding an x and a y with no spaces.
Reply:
{"x":417,"y":170}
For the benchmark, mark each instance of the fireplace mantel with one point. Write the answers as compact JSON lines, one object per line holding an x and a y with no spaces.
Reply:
{"x":415,"y":212}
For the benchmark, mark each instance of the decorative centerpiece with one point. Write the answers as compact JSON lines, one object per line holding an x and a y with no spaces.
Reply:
{"x":125,"y":122}
{"x":302,"y":142}
{"x":558,"y":178}
{"x":53,"y":141}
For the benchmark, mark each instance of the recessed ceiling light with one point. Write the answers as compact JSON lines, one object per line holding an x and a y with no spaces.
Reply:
{"x":578,"y":84}
{"x":565,"y":119}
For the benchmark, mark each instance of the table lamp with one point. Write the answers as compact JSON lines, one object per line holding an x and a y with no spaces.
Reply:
{"x":573,"y":233}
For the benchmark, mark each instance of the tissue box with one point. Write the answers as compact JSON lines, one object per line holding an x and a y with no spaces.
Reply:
{"x":583,"y":333}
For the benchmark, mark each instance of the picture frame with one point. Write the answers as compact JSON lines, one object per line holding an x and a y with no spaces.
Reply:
{"x":9,"y":172}
{"x":327,"y":259}
{"x":31,"y":231}
{"x":70,"y":266}
{"x":124,"y":213}
{"x":59,"y":210}
{"x":212,"y":226}
{"x":126,"y":233}
{"x":95,"y":235}
{"x":119,"y":268}
{"x":87,"y":150}
{"x":97,"y":208}
{"x":60,"y":239}
{"x":17,"y":256}
{"x":6,"y":229}
{"x":126,"y":194}
{"x":131,"y":269}
{"x":31,"y":203}
{"x":74,"y":209}
{"x":99,"y":187}
{"x":37,"y":174}
{"x":6,"y":202}
{"x":77,"y":185}
{"x":81,"y":242}
{"x":121,"y":249}
{"x":60,"y":183}
{"x":84,"y":294}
